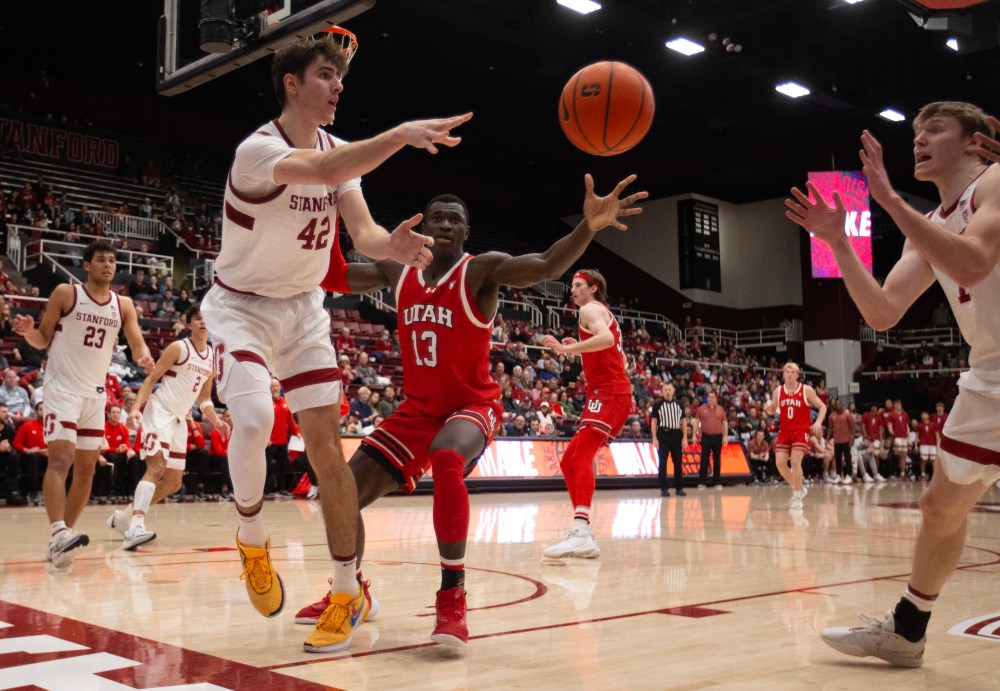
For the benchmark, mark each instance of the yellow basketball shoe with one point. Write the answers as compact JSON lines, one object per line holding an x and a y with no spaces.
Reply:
{"x":336,"y":626}
{"x":264,"y":586}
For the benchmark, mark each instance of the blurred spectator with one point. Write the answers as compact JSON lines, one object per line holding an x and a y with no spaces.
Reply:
{"x":276,"y":451}
{"x":218,"y":459}
{"x":517,"y":428}
{"x":344,"y":343}
{"x":138,"y":286}
{"x":9,"y":459}
{"x":29,"y":442}
{"x":27,"y":355}
{"x":127,"y":470}
{"x":362,"y":407}
{"x":15,"y":397}
{"x":197,"y":453}
{"x":387,"y":406}
{"x":633,"y":431}
{"x":365,"y":374}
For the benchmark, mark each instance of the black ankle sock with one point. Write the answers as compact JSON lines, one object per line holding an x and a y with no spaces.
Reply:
{"x":451,"y":578}
{"x":911,"y":623}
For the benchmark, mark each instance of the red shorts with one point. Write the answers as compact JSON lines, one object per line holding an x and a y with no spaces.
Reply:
{"x":401,"y":444}
{"x":789,"y":439}
{"x":607,"y":413}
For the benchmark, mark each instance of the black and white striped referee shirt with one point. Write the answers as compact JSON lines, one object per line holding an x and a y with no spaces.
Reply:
{"x":669,"y":415}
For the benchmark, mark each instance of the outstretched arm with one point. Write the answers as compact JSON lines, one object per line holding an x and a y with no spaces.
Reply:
{"x":496,"y":268}
{"x":881,"y":306}
{"x":367,"y":278}
{"x":593,"y":317}
{"x":968,"y":257}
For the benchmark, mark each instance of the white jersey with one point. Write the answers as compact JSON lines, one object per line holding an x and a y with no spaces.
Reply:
{"x":276,"y":239}
{"x":83,"y":343}
{"x":181,"y":384}
{"x":975,"y":308}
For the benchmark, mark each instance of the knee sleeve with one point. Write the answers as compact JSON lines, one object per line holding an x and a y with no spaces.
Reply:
{"x":577,"y":464}
{"x":253,"y":418}
{"x":451,"y":498}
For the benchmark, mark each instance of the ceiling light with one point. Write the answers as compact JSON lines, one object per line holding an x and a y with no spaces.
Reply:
{"x":581,"y":6}
{"x":853,"y":2}
{"x":792,"y":90}
{"x":952,"y":43}
{"x":892,"y":115}
{"x":685,"y":47}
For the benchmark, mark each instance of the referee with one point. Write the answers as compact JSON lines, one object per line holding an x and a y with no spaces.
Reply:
{"x":670,"y":436}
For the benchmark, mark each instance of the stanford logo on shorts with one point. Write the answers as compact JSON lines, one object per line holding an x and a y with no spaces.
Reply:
{"x":594,"y":406}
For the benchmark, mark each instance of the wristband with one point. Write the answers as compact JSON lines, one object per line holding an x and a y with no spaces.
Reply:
{"x":205,"y":404}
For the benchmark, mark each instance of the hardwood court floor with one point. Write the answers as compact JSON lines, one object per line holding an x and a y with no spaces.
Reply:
{"x":717,"y":589}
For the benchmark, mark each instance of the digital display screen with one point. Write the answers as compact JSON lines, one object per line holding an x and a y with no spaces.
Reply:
{"x":853,"y":188}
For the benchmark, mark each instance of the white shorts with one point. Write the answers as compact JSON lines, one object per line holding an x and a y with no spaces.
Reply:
{"x":73,"y":418}
{"x":928,"y":451}
{"x":876,"y":444}
{"x":970,"y":441}
{"x":901,"y":443}
{"x":290,"y":337}
{"x":163,"y":431}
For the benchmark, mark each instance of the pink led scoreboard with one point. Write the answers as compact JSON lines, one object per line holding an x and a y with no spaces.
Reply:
{"x":853,"y":188}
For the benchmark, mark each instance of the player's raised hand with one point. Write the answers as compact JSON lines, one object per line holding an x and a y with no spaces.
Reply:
{"x":409,"y":247}
{"x":568,"y":341}
{"x":817,"y":217}
{"x":23,"y":323}
{"x":878,"y":179}
{"x":987,"y":147}
{"x":602,"y":212}
{"x":424,"y":134}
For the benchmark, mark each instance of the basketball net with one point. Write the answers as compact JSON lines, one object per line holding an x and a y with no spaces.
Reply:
{"x":340,"y":36}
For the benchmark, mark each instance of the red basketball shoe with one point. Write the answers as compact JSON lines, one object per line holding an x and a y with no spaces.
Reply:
{"x":450,"y":628}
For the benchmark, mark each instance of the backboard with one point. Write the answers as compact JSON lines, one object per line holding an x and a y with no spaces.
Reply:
{"x":183,"y":65}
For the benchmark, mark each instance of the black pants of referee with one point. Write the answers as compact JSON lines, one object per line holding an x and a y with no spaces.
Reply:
{"x":711,"y":444}
{"x":670,"y":445}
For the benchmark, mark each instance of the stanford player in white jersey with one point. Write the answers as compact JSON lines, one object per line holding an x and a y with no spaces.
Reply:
{"x":288,"y":183}
{"x":959,"y":246}
{"x":80,"y":328}
{"x":184,"y":372}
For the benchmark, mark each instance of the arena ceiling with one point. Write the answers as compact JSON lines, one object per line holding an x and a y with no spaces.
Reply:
{"x":720,"y":128}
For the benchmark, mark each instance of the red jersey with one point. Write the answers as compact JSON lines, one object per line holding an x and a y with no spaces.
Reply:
{"x":219,"y":445}
{"x":605,"y":369}
{"x":872,"y":423}
{"x":794,"y":409}
{"x":116,"y":435}
{"x":899,"y":423}
{"x":927,"y":433}
{"x":284,"y":423}
{"x":445,"y":342}
{"x":29,"y":436}
{"x":939,"y":419}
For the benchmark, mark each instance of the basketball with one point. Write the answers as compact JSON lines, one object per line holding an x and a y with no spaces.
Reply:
{"x":606,"y":108}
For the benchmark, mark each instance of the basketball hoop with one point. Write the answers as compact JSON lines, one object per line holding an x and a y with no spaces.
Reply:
{"x":347,"y":41}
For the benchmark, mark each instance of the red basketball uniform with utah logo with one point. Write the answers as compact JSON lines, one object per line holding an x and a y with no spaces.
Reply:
{"x":609,"y":392}
{"x":445,"y":345}
{"x":795,"y":413}
{"x":444,"y":342}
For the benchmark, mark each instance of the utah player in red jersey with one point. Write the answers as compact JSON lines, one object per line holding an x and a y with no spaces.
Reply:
{"x":794,"y":402}
{"x":452,"y":406}
{"x":609,"y":400}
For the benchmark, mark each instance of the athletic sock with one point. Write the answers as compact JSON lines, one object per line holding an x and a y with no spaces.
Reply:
{"x":58,"y":527}
{"x":912,"y":613}
{"x":452,"y":573}
{"x":345,"y":579}
{"x":251,"y":530}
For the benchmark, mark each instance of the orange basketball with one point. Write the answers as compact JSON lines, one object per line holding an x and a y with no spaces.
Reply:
{"x":606,"y":108}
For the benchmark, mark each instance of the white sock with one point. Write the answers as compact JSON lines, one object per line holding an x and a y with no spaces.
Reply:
{"x":251,"y":530}
{"x":143,"y":497}
{"x":345,"y":578}
{"x":58,"y":527}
